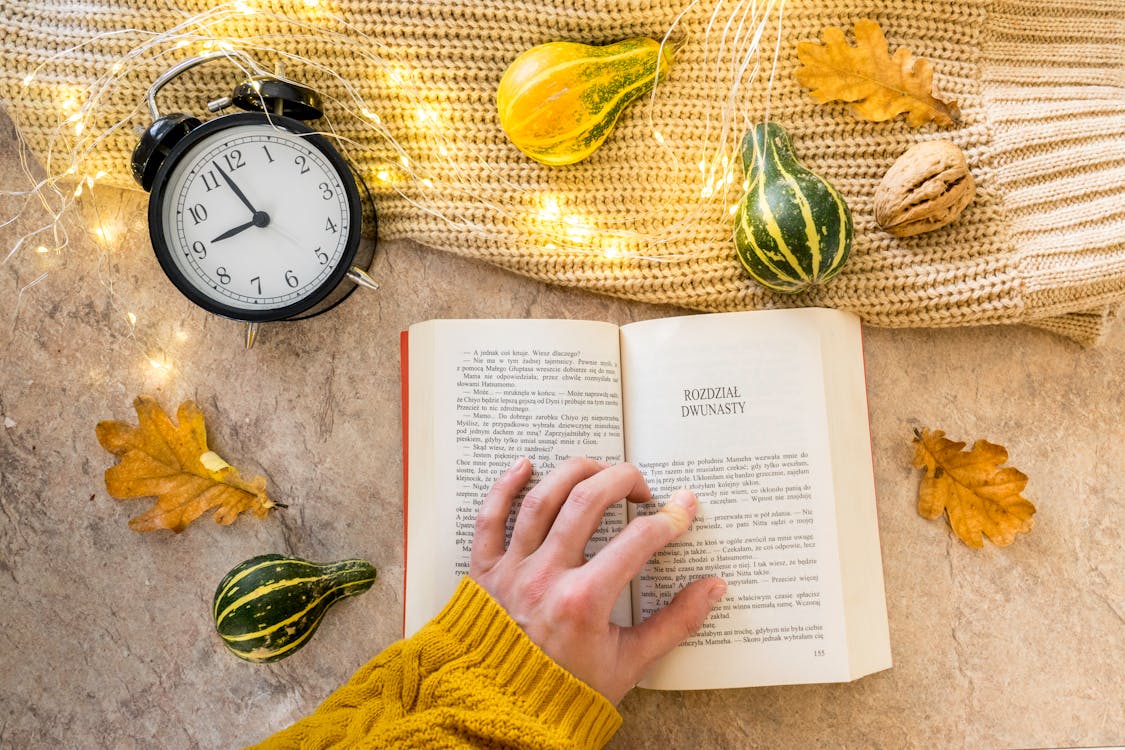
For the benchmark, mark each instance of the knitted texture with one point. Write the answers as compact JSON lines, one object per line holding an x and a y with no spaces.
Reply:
{"x":1042,"y":117}
{"x":470,"y":678}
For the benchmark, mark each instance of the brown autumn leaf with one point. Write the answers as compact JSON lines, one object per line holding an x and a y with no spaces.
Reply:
{"x":880,"y":86}
{"x":980,"y":495}
{"x":172,"y":463}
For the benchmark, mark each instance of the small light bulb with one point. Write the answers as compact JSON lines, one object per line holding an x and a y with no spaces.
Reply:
{"x":159,"y":362}
{"x":132,"y":317}
{"x":550,"y":210}
{"x":108,"y":233}
{"x":576,"y":228}
{"x":41,"y":249}
{"x":658,"y":136}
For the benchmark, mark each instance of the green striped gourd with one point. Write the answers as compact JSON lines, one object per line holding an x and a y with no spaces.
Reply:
{"x":792,"y":229}
{"x":559,"y":101}
{"x":269,"y":606}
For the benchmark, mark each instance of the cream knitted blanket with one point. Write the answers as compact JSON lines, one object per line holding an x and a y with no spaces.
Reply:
{"x":1040,"y":83}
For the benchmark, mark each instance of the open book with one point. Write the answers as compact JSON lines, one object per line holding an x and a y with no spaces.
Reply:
{"x":763,"y":414}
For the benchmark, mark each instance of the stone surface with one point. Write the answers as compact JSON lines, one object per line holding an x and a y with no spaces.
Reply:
{"x":105,"y":636}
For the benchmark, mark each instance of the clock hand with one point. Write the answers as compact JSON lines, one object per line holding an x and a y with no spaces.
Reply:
{"x":233,"y":232}
{"x":261,"y":219}
{"x":241,"y":196}
{"x":287,"y":237}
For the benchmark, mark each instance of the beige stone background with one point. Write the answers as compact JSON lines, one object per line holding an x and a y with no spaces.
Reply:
{"x":106,"y":637}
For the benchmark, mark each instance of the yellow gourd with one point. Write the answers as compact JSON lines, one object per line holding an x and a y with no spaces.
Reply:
{"x":559,"y":101}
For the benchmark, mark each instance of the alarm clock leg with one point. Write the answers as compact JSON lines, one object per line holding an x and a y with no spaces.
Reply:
{"x":251,"y":334}
{"x":279,"y":105}
{"x":360,"y":277}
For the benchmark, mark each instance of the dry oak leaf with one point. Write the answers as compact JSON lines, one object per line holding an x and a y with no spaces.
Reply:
{"x":172,"y":463}
{"x":880,"y":86}
{"x":980,"y":496}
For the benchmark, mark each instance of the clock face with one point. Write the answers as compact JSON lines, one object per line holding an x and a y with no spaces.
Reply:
{"x":255,"y":218}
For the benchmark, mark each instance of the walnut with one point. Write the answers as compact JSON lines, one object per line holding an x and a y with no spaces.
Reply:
{"x":928,"y":187}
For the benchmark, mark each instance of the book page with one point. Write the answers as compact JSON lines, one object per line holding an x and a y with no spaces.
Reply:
{"x":733,"y":406}
{"x":481,"y":394}
{"x":857,"y":522}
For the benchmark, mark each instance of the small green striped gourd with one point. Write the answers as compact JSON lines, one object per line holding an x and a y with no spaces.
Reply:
{"x":559,"y":101}
{"x":269,"y":606}
{"x":792,"y":229}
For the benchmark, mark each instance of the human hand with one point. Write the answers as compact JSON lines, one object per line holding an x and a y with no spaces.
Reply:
{"x":561,"y":600}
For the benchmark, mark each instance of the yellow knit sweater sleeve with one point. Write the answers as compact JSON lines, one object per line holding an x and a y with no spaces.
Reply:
{"x":469,"y":678}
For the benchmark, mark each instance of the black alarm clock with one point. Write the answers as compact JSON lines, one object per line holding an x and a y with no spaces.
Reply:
{"x":253,"y":215}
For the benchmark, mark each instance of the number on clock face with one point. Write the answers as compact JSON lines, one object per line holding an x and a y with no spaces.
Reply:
{"x":255,"y":217}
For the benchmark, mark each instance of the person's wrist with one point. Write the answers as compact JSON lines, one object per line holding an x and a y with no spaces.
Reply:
{"x":544,"y":688}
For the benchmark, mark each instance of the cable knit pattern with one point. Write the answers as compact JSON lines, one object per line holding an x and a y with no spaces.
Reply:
{"x":1040,"y":84}
{"x":470,"y":678}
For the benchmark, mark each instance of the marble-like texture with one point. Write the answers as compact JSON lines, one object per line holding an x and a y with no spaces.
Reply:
{"x":105,"y":634}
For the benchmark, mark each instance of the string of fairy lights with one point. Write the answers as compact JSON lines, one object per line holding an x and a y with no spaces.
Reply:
{"x":412,"y":144}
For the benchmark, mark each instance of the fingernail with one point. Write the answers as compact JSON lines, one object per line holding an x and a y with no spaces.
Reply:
{"x":684,"y":499}
{"x":680,"y":508}
{"x":715,"y":593}
{"x":515,"y":467}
